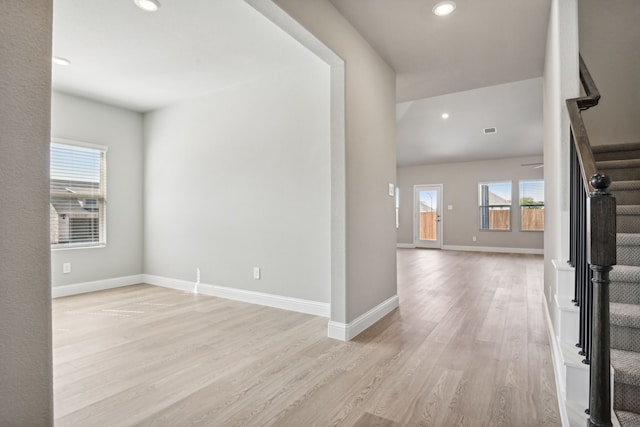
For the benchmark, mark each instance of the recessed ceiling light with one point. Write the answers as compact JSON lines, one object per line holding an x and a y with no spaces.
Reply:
{"x":60,"y":61}
{"x":444,"y":8}
{"x":148,"y":5}
{"x":445,"y":115}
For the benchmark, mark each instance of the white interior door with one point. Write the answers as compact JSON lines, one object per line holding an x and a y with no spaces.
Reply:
{"x":427,"y":224}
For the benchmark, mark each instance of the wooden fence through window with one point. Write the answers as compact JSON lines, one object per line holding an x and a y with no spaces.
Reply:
{"x":532,"y":219}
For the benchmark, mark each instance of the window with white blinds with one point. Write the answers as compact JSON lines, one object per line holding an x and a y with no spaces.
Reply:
{"x":77,"y":195}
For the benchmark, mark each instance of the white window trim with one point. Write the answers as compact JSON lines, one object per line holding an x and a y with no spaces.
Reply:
{"x":506,"y":181}
{"x":79,"y":144}
{"x":90,"y":146}
{"x":520,"y":205}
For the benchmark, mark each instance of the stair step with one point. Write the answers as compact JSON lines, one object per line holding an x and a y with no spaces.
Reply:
{"x":626,"y":315}
{"x":627,"y":380}
{"x":626,"y":192}
{"x":625,"y":326}
{"x":627,"y":366}
{"x":620,"y":170}
{"x":625,"y":284}
{"x":628,"y":248}
{"x":628,"y":218}
{"x":628,"y":419}
{"x":617,"y":151}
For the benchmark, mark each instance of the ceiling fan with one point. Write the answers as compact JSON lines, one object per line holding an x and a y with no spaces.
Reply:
{"x":534,"y":165}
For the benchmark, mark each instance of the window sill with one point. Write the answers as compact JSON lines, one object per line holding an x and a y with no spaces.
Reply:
{"x":74,"y":247}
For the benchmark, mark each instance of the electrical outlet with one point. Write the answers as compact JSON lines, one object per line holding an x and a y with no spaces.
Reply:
{"x":256,"y":273}
{"x":474,"y":238}
{"x":66,"y":268}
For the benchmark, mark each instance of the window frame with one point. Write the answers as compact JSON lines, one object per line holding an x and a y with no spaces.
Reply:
{"x":488,"y":207}
{"x":101,"y":198}
{"x":530,"y":205}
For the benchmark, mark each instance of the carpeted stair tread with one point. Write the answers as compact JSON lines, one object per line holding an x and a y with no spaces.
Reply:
{"x":628,"y":210}
{"x":617,"y":151}
{"x":628,"y":248}
{"x":625,"y":315}
{"x":625,"y":284}
{"x":628,"y":419}
{"x":625,"y":185}
{"x":618,"y":164}
{"x":627,"y":218}
{"x":625,"y":273}
{"x":621,"y":169}
{"x":626,"y":192}
{"x":628,"y":239}
{"x":627,"y":366}
{"x":629,"y":146}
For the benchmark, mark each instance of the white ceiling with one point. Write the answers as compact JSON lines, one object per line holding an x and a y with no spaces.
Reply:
{"x":514,"y":109}
{"x":459,"y":64}
{"x":142,"y":61}
{"x":482,"y":43}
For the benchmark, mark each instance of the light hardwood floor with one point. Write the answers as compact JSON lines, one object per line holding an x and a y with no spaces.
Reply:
{"x":467,"y":347}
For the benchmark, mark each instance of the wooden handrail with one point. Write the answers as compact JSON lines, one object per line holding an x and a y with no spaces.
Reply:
{"x":593,"y":95}
{"x":581,"y":139}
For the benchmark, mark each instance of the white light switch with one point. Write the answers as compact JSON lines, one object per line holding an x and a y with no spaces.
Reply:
{"x":450,"y":207}
{"x":66,"y":268}
{"x":392,"y":190}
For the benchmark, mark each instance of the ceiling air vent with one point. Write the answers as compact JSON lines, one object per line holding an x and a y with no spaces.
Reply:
{"x":489,"y":130}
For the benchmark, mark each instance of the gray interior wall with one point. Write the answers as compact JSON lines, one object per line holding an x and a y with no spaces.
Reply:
{"x":240,"y":179}
{"x":609,"y":38}
{"x":460,"y":189}
{"x":25,"y":294}
{"x":369,"y":159}
{"x":120,"y":130}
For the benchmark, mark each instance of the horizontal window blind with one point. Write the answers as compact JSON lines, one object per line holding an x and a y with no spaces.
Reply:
{"x":77,"y":196}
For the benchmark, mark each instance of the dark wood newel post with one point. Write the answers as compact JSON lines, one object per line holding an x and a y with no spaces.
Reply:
{"x":601,"y":237}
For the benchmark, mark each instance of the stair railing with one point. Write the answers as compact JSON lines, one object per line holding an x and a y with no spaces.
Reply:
{"x":592,"y":253}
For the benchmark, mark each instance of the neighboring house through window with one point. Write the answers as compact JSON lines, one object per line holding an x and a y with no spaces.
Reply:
{"x":77,"y":195}
{"x":495,"y":205}
{"x":532,"y":205}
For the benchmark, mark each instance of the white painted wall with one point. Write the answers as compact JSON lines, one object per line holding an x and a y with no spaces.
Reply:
{"x":25,"y":306}
{"x":120,"y":130}
{"x":368,"y":220}
{"x":460,"y":190}
{"x":240,"y":179}
{"x":561,"y":81}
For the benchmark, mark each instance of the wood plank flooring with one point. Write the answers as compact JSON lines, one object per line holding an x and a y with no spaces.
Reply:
{"x":467,"y":347}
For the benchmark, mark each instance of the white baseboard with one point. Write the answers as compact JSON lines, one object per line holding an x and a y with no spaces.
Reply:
{"x":348,"y":331}
{"x":556,"y":358}
{"x":406,"y":245}
{"x":98,"y":285}
{"x":277,"y":301}
{"x":494,"y":249}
